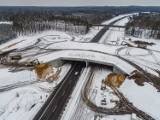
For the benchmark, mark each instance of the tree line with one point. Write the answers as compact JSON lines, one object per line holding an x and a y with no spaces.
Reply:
{"x":79,"y":21}
{"x":144,"y":25}
{"x":33,"y":22}
{"x":6,"y":33}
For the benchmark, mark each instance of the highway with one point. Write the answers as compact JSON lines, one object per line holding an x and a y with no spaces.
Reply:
{"x":119,"y":26}
{"x":97,"y":38}
{"x":55,"y":104}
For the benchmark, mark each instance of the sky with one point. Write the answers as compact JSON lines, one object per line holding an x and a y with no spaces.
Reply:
{"x":79,"y":2}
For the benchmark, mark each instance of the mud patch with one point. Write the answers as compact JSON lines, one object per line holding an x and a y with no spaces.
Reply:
{"x":138,"y":78}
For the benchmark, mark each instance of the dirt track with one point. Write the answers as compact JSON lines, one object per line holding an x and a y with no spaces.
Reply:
{"x":123,"y":107}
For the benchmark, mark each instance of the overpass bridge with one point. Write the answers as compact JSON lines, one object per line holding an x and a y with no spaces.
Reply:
{"x":102,"y":25}
{"x":89,"y":56}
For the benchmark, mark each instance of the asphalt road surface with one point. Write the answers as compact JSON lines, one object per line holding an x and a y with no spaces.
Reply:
{"x":55,"y":104}
{"x":99,"y":35}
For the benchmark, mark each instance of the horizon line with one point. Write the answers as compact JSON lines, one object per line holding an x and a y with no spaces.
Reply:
{"x":80,"y":6}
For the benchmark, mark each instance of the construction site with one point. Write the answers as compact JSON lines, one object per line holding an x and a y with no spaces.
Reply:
{"x":59,"y":75}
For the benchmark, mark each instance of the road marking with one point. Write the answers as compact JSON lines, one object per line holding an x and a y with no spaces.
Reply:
{"x":70,"y":81}
{"x":54,"y":108}
{"x":63,"y":93}
{"x":56,"y":92}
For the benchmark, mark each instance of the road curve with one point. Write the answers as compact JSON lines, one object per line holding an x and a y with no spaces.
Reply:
{"x":53,"y":107}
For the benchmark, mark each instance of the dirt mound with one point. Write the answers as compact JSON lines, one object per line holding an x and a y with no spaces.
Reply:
{"x":138,"y":77}
{"x":43,"y":70}
{"x":115,"y":79}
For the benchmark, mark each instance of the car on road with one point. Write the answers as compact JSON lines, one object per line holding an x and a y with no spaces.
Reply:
{"x":76,"y":73}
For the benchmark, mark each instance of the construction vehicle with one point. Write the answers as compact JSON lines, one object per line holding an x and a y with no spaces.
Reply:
{"x":127,"y":44}
{"x":16,"y":57}
{"x":103,"y":102}
{"x":32,"y":63}
{"x":143,"y":46}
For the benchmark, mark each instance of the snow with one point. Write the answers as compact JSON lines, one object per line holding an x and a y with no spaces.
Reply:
{"x":20,"y":102}
{"x":24,"y":102}
{"x":97,"y":94}
{"x":72,"y":105}
{"x":130,"y":51}
{"x":154,"y":47}
{"x":6,"y":22}
{"x":69,"y":45}
{"x":12,"y":106}
{"x":116,"y":117}
{"x":88,"y":56}
{"x":117,"y":17}
{"x":157,"y":54}
{"x":88,"y":37}
{"x":123,"y":21}
{"x":145,"y":64}
{"x":30,"y":40}
{"x":145,"y":98}
{"x":115,"y":35}
{"x":8,"y":78}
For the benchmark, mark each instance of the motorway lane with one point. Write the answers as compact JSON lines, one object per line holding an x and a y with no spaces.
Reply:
{"x":49,"y":102}
{"x":53,"y":109}
{"x":97,"y":38}
{"x":64,"y":98}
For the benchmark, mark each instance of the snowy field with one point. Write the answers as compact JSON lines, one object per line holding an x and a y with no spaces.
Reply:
{"x":26,"y":99}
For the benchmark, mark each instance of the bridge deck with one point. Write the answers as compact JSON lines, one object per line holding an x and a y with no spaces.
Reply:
{"x":89,"y":56}
{"x":118,"y":26}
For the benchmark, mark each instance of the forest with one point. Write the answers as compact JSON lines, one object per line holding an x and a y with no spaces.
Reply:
{"x":145,"y":25}
{"x":30,"y":20}
{"x":26,"y":22}
{"x":6,"y":33}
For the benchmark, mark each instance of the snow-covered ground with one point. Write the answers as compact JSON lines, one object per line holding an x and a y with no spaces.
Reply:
{"x":145,"y":98}
{"x":117,"y":17}
{"x":98,"y":93}
{"x":8,"y":78}
{"x":21,"y":103}
{"x":24,"y":102}
{"x":6,"y":22}
{"x":22,"y":94}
